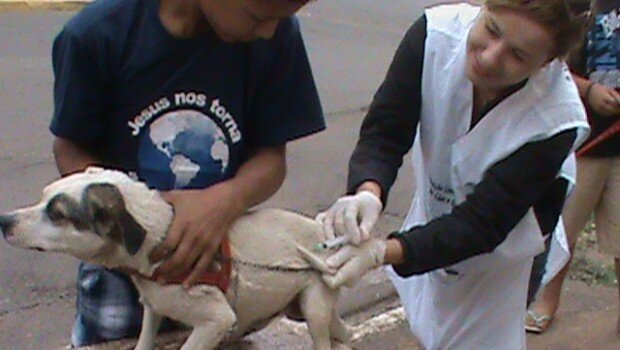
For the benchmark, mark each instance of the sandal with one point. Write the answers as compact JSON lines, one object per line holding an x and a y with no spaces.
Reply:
{"x":537,"y":323}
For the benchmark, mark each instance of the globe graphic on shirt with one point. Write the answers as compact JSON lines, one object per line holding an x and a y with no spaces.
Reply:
{"x":183,"y":149}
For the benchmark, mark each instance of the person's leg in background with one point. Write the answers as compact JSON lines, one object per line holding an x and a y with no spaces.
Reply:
{"x":607,"y":220}
{"x":591,"y":178}
{"x":617,"y":263}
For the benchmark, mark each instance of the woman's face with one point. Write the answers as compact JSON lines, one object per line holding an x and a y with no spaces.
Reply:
{"x":247,"y":20}
{"x":505,"y":47}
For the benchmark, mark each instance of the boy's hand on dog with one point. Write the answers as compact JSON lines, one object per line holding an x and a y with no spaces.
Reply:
{"x":201,"y":220}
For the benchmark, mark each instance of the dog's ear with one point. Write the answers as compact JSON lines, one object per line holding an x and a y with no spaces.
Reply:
{"x":105,"y":207}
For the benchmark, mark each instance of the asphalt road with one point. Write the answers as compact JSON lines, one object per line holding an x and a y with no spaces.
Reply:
{"x":350,"y":43}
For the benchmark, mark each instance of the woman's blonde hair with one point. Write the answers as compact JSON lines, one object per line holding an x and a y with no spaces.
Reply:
{"x":556,"y":15}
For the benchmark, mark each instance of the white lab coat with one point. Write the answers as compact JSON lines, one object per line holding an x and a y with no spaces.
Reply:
{"x":478,"y":303}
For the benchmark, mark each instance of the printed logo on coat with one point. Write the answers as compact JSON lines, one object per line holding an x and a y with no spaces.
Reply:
{"x":185,"y":142}
{"x":441,"y":193}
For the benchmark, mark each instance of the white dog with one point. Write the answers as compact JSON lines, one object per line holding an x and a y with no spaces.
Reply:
{"x":105,"y":217}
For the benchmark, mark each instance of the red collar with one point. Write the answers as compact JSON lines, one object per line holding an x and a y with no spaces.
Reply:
{"x":220,"y":278}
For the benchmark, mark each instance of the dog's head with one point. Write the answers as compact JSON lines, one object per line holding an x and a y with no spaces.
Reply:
{"x":86,"y":213}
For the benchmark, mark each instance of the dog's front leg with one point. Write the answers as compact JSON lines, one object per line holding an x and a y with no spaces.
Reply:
{"x":150,"y":325}
{"x":211,"y":316}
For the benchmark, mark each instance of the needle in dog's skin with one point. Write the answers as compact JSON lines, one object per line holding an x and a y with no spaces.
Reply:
{"x":332,"y":243}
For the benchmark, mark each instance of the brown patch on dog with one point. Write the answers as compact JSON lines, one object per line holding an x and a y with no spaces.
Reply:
{"x":105,"y":206}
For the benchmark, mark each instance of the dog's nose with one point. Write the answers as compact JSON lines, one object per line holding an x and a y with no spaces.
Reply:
{"x":6,"y":224}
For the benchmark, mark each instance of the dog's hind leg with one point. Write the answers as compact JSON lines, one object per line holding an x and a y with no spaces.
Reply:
{"x":150,"y":325}
{"x":339,"y":331}
{"x":317,"y":302}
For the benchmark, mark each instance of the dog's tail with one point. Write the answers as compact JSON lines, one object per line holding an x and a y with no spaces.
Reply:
{"x":314,"y":260}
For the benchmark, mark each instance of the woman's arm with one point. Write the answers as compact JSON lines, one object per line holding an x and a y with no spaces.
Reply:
{"x":388,"y":129}
{"x":482,"y":222}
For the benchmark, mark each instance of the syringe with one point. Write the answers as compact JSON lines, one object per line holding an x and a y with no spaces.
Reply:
{"x":332,"y":243}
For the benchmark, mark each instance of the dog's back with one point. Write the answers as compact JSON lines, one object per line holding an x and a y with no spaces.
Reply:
{"x":270,"y":272}
{"x":272,"y":237}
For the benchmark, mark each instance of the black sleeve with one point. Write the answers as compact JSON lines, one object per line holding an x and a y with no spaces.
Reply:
{"x":81,"y":89}
{"x":388,"y":129}
{"x":285,"y":104}
{"x":482,"y":222}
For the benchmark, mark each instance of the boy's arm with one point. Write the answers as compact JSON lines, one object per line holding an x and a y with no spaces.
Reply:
{"x":203,"y":217}
{"x":80,"y":97}
{"x":71,"y":157}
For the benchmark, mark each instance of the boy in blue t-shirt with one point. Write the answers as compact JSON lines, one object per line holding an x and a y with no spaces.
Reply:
{"x":196,"y":98}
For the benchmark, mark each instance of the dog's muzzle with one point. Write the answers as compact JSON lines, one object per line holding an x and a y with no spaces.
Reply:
{"x":6,"y":225}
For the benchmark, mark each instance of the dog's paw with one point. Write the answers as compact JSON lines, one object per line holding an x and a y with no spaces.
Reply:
{"x":333,"y":283}
{"x":341,"y":346}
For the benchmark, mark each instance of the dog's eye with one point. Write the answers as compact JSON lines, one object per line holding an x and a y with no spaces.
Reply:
{"x":59,"y":208}
{"x":56,"y":217}
{"x":54,"y":214}
{"x":64,"y":210}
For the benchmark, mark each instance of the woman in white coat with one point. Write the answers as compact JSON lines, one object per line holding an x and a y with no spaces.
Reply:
{"x":496,"y":117}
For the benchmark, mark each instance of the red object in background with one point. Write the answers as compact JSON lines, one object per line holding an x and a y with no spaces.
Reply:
{"x":613,"y":129}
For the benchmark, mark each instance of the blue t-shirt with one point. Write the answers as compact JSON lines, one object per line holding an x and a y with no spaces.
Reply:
{"x":603,"y":48}
{"x":180,"y":113}
{"x":602,"y":65}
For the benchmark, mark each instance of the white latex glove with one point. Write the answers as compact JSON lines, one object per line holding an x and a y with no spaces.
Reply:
{"x":351,"y":262}
{"x":353,"y":216}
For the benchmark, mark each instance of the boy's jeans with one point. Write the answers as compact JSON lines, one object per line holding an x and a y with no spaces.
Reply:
{"x":107,"y":307}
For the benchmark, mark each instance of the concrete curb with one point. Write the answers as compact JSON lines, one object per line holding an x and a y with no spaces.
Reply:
{"x":54,"y":5}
